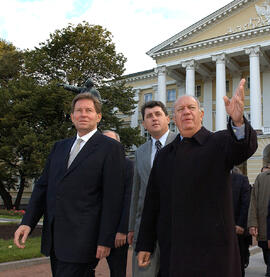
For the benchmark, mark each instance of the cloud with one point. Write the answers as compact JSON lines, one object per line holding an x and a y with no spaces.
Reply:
{"x":136,"y":25}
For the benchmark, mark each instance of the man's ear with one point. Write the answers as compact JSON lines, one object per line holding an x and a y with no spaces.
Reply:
{"x":202,"y":114}
{"x":99,"y":117}
{"x":72,"y":117}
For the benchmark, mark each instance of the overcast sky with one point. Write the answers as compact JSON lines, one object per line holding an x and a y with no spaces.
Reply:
{"x":136,"y":25}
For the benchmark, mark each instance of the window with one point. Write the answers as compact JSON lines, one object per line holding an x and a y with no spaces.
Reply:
{"x":171,"y":95}
{"x":147,"y":97}
{"x":227,"y":85}
{"x":198,"y":91}
{"x":248,"y":82}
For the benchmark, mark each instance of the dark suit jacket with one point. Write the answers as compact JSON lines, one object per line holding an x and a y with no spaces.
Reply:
{"x":241,"y":199}
{"x":188,"y":204}
{"x":129,"y":170}
{"x":83,"y":202}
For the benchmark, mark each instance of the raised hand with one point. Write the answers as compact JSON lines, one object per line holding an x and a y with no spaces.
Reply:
{"x":235,"y":106}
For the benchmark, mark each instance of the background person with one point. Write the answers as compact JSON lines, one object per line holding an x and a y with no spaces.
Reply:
{"x":257,"y":216}
{"x":241,"y":200}
{"x":117,"y":260}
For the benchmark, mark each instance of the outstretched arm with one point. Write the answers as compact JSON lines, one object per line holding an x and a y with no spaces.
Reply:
{"x":235,"y":106}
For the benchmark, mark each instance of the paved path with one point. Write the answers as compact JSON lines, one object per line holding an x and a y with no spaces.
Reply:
{"x":256,"y":268}
{"x":43,"y":270}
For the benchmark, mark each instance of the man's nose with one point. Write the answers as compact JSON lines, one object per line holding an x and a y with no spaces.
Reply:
{"x":186,"y":110}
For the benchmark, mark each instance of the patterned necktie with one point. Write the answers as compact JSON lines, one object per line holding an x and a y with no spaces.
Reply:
{"x":75,"y":151}
{"x":158,"y":146}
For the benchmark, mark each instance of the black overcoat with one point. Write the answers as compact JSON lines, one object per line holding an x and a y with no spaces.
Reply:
{"x":188,"y":205}
{"x":83,"y":202}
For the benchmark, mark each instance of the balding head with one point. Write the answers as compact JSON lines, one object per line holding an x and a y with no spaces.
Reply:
{"x":188,"y":115}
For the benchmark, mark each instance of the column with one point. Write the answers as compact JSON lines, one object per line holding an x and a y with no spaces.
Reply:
{"x":207,"y":105}
{"x":155,"y":90}
{"x":190,"y":76}
{"x":266,"y":99}
{"x":221,"y":119}
{"x":134,"y":117}
{"x":255,"y":87}
{"x":161,"y":95}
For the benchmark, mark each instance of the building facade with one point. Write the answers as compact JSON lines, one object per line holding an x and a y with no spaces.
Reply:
{"x":207,"y":60}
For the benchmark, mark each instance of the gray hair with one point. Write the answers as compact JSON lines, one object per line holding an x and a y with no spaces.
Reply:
{"x":189,"y":95}
{"x":111,"y":131}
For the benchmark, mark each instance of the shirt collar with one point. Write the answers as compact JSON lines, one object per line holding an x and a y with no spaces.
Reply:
{"x":161,"y":139}
{"x":201,"y":136}
{"x":86,"y":137}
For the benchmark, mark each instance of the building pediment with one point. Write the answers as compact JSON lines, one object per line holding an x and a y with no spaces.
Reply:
{"x":237,"y":18}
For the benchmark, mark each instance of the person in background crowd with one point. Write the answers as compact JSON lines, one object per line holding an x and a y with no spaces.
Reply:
{"x":241,"y":199}
{"x":117,"y":259}
{"x":265,"y":168}
{"x":155,"y":121}
{"x":257,"y":216}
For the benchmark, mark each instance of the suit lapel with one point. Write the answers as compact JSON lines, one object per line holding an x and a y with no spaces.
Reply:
{"x":146,"y":157}
{"x":87,"y":149}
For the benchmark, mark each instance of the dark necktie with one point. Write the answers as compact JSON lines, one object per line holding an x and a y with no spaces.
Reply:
{"x":158,"y":146}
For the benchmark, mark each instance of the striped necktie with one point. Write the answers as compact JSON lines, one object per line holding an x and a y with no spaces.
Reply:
{"x":158,"y":146}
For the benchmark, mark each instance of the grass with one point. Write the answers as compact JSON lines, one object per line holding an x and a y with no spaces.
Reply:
{"x":10,"y":252}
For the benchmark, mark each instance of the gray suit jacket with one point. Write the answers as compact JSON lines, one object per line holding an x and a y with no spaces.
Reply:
{"x":142,"y":170}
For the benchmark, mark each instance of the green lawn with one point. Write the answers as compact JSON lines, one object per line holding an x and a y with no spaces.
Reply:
{"x":10,"y":252}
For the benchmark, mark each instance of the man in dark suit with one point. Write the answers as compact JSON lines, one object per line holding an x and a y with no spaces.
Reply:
{"x":117,"y":259}
{"x":80,"y":194}
{"x":189,"y":211}
{"x":241,"y":199}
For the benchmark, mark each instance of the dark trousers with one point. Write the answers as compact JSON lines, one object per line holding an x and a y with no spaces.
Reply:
{"x":66,"y":269}
{"x":266,"y":255}
{"x":242,"y":249}
{"x":117,"y":261}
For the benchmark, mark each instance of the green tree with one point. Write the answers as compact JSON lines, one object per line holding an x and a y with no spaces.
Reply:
{"x":34,"y":109}
{"x":10,"y":62}
{"x":32,"y":118}
{"x":75,"y":53}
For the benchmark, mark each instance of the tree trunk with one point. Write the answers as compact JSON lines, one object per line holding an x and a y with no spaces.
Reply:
{"x":7,"y":199}
{"x":20,"y":193}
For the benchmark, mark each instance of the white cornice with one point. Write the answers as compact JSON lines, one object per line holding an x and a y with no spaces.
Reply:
{"x":200,"y":25}
{"x":214,"y":41}
{"x":141,"y":77}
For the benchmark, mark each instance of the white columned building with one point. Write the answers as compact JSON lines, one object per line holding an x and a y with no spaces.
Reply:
{"x":181,"y":88}
{"x":221,"y":119}
{"x":155,"y":90}
{"x":190,"y":76}
{"x":207,"y":105}
{"x":235,"y":82}
{"x":255,"y":87}
{"x":161,"y":94}
{"x":266,"y":101}
{"x":135,"y":115}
